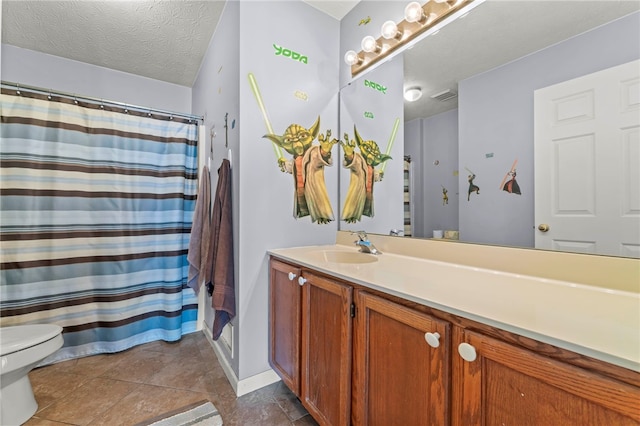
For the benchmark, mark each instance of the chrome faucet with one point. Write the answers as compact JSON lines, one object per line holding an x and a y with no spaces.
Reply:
{"x":365,"y":245}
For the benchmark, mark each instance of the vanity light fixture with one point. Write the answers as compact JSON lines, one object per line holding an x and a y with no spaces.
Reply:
{"x":390,"y":31}
{"x":414,"y":13}
{"x":352,"y":58}
{"x":412,"y":94}
{"x":420,"y":20}
{"x":370,"y":45}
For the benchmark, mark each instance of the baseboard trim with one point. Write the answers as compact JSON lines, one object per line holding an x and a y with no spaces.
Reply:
{"x":245,"y":386}
{"x":257,"y":381}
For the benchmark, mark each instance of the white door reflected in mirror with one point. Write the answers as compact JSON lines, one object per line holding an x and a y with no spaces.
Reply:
{"x":587,"y":162}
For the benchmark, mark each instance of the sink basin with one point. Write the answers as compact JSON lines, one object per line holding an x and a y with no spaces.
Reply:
{"x":336,"y":256}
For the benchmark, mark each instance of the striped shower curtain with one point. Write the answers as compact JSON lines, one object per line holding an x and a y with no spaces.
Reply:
{"x":96,"y":205}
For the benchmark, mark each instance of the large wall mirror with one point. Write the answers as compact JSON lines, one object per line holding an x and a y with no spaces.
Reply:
{"x":470,"y":138}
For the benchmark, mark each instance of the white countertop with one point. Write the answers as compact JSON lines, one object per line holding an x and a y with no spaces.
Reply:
{"x":594,"y":321}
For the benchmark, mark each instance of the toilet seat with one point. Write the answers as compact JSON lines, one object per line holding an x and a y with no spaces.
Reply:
{"x":20,"y":337}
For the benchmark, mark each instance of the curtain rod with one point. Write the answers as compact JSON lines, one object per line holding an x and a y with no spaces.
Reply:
{"x":74,"y":96}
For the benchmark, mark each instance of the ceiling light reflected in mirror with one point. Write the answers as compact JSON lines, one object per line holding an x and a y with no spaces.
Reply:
{"x":412,"y":94}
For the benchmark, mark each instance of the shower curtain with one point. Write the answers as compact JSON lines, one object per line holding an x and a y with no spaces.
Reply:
{"x":96,"y":204}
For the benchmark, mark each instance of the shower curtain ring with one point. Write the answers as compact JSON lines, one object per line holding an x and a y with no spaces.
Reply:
{"x":18,"y":90}
{"x":49,"y":96}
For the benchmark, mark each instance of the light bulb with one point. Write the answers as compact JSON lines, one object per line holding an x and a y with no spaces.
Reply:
{"x":390,"y":30}
{"x":369,"y":44}
{"x":414,"y":13}
{"x":352,"y":58}
{"x":412,"y":94}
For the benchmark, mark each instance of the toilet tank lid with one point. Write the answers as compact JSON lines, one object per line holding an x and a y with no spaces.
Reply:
{"x":19,"y":337}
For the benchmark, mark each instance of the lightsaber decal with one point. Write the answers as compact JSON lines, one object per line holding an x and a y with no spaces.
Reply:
{"x":256,"y":92}
{"x":392,"y":138}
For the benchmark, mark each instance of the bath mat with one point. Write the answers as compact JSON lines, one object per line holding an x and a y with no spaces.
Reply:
{"x":201,"y":413}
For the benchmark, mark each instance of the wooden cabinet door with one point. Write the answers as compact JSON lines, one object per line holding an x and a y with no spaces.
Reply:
{"x":507,"y":385}
{"x":326,"y":350}
{"x":284,"y":323}
{"x":399,"y":378}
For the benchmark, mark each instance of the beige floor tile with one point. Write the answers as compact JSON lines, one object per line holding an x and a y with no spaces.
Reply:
{"x":139,"y":366}
{"x":179,"y":374}
{"x":91,"y":366}
{"x":85,"y":403}
{"x":267,"y":413}
{"x":50,"y":385}
{"x":34,"y":421}
{"x":150,"y":380}
{"x":146,"y":402}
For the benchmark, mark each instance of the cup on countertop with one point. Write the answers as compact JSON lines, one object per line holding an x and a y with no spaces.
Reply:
{"x":438,"y":233}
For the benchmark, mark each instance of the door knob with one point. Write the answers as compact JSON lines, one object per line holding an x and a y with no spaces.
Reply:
{"x":433,"y":339}
{"x":291,"y":276}
{"x":543,"y":227}
{"x":301,"y":280}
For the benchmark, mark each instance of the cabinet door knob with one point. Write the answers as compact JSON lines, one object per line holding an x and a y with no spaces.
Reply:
{"x":301,"y":280}
{"x":467,"y":352}
{"x":291,"y":276}
{"x":433,"y":339}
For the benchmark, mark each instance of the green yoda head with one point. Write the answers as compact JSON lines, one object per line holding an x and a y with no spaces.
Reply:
{"x":370,"y":150}
{"x":296,"y":139}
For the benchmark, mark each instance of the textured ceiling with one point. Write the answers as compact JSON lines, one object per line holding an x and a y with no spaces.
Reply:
{"x":161,"y":39}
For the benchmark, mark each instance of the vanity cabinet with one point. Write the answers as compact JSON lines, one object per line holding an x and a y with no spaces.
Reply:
{"x":355,"y":355}
{"x":285,"y":298}
{"x":311,"y":337}
{"x":401,"y":365}
{"x":502,"y":384}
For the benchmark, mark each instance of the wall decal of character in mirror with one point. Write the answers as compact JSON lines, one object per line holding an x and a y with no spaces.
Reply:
{"x":359,"y":199}
{"x":511,"y":186}
{"x":472,"y":186}
{"x":445,"y":197}
{"x":307,"y":167}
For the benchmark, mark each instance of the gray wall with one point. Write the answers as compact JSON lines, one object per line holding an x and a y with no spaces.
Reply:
{"x":216,"y":93}
{"x":52,"y":72}
{"x":436,"y":141}
{"x":262,"y":194}
{"x":441,"y":134}
{"x":496,"y":118}
{"x":413,"y":138}
{"x":265,"y":193}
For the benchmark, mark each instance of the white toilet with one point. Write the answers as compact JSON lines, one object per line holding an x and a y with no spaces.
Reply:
{"x":22,"y":348}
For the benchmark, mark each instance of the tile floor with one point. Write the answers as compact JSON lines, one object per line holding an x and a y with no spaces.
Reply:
{"x":149,"y":380}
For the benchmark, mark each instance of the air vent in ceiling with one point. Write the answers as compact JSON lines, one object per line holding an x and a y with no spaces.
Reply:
{"x":444,"y":95}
